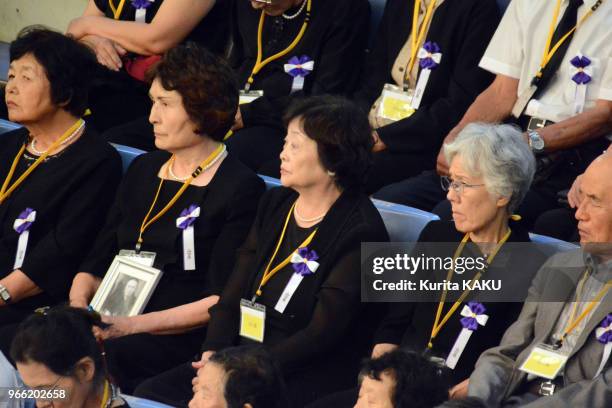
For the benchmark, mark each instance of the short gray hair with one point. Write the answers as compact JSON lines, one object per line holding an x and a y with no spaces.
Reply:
{"x":500,"y":155}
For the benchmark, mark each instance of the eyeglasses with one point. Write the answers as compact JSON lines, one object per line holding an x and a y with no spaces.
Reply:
{"x":447,"y":183}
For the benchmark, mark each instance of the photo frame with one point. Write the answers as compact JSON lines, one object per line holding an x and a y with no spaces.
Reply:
{"x":126,"y":288}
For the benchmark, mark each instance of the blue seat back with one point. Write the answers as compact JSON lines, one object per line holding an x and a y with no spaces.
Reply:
{"x":551,"y":246}
{"x":135,"y":402}
{"x":6,"y":126}
{"x":404,"y":224}
{"x":127,"y":154}
{"x":271,"y":182}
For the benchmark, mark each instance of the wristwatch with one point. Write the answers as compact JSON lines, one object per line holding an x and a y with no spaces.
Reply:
{"x":5,"y":295}
{"x":536,"y":143}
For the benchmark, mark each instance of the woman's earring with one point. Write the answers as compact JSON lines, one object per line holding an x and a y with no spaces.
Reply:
{"x":331,"y":173}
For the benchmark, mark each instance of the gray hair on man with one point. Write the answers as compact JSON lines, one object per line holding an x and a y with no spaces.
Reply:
{"x":499,"y":154}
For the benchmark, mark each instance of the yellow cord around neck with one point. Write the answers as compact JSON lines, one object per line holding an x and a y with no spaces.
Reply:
{"x":259,"y":64}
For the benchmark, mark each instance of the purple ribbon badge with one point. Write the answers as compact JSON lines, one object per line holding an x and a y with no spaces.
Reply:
{"x":604,"y":331}
{"x":25,"y":220}
{"x":473,"y":316}
{"x":304,"y":261}
{"x":188,"y":217}
{"x":299,"y":66}
{"x":142,"y":4}
{"x":581,"y":73}
{"x":429,"y":55}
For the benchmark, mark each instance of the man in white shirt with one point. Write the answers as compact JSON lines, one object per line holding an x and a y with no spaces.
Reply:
{"x":565,"y":122}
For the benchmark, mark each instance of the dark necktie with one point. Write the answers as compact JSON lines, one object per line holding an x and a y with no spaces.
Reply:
{"x":567,"y":22}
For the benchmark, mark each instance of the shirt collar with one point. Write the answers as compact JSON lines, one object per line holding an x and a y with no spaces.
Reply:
{"x":596,"y":266}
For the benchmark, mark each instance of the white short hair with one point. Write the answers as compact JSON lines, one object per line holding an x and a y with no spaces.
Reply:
{"x":499,"y":154}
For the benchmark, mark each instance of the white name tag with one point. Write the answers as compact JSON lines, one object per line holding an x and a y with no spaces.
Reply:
{"x":141,"y":15}
{"x":420,"y":88}
{"x":458,"y":347}
{"x":544,"y":361}
{"x":189,"y":249}
{"x":288,"y":293}
{"x":22,"y":245}
{"x":249,"y":96}
{"x":145,"y":258}
{"x":252,"y":320}
{"x":395,"y":103}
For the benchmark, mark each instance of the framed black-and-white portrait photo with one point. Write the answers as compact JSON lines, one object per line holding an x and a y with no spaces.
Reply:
{"x":126,"y":288}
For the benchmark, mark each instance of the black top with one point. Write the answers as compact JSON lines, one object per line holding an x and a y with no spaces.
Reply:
{"x":227,"y":209}
{"x":335,"y":39}
{"x":463,"y":30}
{"x":410,"y":324}
{"x":212,"y":32}
{"x":321,"y":323}
{"x":71,"y":193}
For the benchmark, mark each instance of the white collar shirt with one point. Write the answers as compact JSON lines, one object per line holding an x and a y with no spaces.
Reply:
{"x":518,"y":45}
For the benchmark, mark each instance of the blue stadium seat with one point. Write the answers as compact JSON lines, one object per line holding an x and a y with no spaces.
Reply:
{"x":127,"y":154}
{"x":6,"y":126}
{"x":550,"y":245}
{"x":271,"y":182}
{"x":404,"y":224}
{"x":135,"y":402}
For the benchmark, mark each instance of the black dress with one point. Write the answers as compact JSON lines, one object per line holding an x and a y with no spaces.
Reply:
{"x":320,"y":336}
{"x":462,"y":29}
{"x":410,"y":324}
{"x":335,"y":40}
{"x":116,"y":98}
{"x":71,"y":193}
{"x":227,"y":209}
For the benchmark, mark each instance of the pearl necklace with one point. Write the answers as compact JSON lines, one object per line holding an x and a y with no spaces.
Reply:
{"x":68,"y":139}
{"x":286,"y":17}
{"x":307,"y":220}
{"x":208,"y":166}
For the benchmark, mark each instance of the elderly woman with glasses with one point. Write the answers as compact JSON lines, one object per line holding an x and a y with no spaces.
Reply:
{"x":491,"y":168}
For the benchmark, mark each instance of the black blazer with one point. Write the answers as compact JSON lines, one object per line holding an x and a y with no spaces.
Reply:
{"x":321,"y":324}
{"x":410,"y":324}
{"x":463,"y":30}
{"x":71,"y":193}
{"x":227,"y":209}
{"x":335,"y":39}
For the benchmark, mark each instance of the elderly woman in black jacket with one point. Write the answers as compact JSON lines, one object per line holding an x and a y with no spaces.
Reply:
{"x":296,"y":285}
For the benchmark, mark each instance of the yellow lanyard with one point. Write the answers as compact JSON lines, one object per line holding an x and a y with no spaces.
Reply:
{"x":259,"y":64}
{"x":418,"y":34}
{"x":438,"y":325}
{"x":6,"y":191}
{"x":573,"y":323}
{"x":146,"y":223}
{"x":116,"y":11}
{"x":548,"y":51}
{"x":106,"y":395}
{"x":268,"y":274}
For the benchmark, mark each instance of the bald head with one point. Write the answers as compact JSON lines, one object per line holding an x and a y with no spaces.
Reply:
{"x":594,"y":212}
